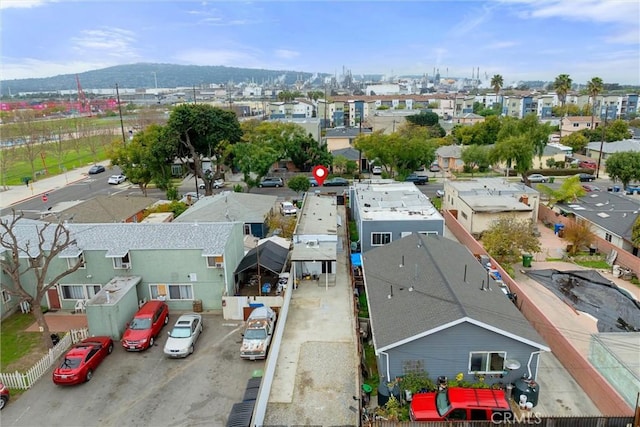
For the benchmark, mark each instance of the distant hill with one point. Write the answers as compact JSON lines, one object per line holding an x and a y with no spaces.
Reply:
{"x":137,"y":76}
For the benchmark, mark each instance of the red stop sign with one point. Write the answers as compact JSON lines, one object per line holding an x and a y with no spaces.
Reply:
{"x":44,"y":198}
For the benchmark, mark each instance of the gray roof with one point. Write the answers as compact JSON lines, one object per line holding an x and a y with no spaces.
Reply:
{"x":454,"y":151}
{"x":613,"y":212}
{"x":350,"y":153}
{"x":119,"y":238}
{"x":230,"y":206}
{"x":344,"y":132}
{"x":438,"y":285}
{"x":102,"y":208}
{"x":615,"y":146}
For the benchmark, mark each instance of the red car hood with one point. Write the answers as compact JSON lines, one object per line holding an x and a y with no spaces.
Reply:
{"x":423,"y":407}
{"x":136,"y":334}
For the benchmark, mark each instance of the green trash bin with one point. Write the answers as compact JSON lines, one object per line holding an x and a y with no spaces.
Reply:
{"x":526,"y":260}
{"x":552,"y":179}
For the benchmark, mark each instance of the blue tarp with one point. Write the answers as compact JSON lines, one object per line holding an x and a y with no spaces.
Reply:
{"x":356,"y":260}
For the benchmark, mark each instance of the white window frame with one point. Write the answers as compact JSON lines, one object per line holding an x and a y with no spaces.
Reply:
{"x":123,"y":263}
{"x":381,"y":235}
{"x":87,"y":292}
{"x":164,"y":291}
{"x":6,"y":296}
{"x":212,"y":263}
{"x":486,"y":356}
{"x":71,"y":262}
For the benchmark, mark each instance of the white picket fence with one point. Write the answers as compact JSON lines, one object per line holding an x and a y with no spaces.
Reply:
{"x":25,"y":380}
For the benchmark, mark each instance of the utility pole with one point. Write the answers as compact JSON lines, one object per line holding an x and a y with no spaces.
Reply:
{"x":194,"y":94}
{"x":606,"y":113}
{"x":124,"y":139}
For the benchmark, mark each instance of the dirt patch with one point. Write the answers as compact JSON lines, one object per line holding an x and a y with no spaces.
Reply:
{"x":28,"y":360}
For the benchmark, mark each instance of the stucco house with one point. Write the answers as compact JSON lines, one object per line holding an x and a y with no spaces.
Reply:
{"x":609,"y":148}
{"x":476,"y":203}
{"x":343,"y":137}
{"x":571,"y":124}
{"x":386,"y":210}
{"x":180,"y":262}
{"x":252,"y":210}
{"x":449,"y":158}
{"x":434,"y":308}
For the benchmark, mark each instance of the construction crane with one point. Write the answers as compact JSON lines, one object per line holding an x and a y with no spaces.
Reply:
{"x":83,"y":103}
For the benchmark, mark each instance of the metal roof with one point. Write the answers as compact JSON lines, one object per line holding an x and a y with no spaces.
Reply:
{"x":230,"y":206}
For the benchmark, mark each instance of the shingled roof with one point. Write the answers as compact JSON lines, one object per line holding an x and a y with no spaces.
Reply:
{"x":419,"y":285}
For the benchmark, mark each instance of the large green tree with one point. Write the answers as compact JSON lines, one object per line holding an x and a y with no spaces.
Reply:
{"x":569,"y":191}
{"x":624,"y":167}
{"x":476,"y":156}
{"x":508,"y":237}
{"x":635,"y":233}
{"x":203,"y":131}
{"x":562,"y":86}
{"x":425,"y":118}
{"x":594,"y":88}
{"x":576,"y":140}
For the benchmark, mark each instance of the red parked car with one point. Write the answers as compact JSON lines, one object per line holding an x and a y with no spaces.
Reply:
{"x":458,"y":403}
{"x":588,"y":164}
{"x":145,"y":326}
{"x":4,"y":395}
{"x":81,"y":360}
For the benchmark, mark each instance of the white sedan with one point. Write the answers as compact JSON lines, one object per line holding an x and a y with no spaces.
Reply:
{"x":218,"y":183}
{"x":117,"y":179}
{"x":183,"y":336}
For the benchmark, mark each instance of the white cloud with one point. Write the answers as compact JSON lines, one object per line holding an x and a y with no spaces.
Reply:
{"x":22,"y":4}
{"x":114,"y":42}
{"x":286,"y":54}
{"x":473,"y":19}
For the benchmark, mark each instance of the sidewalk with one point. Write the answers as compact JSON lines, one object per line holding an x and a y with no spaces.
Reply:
{"x":19,"y":193}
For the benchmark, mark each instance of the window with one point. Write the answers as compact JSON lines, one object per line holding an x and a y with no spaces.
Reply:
{"x":607,"y":237}
{"x":171,"y":292}
{"x":487,"y":362}
{"x":464,"y":215}
{"x":76,"y":292}
{"x":575,"y":125}
{"x":379,"y":239}
{"x":71,"y":262}
{"x":215,"y":261}
{"x":122,"y":263}
{"x":6,"y":296}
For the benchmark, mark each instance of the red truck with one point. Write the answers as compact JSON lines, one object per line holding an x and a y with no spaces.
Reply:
{"x":457,"y":403}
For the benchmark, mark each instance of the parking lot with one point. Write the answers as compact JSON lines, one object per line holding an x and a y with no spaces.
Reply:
{"x":147,"y":389}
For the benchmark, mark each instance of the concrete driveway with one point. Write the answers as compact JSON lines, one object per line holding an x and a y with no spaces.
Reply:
{"x":147,"y":389}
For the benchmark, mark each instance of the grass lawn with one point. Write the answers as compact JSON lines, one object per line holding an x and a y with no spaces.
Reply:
{"x":20,"y":349}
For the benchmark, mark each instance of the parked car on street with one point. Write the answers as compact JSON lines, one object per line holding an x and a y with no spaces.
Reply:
{"x":439,"y":193}
{"x":536,"y":177}
{"x":587,"y":164}
{"x":586,"y":177}
{"x":632,"y":189}
{"x":417,"y":179}
{"x":434,"y":167}
{"x":182,"y":338}
{"x":4,"y":395}
{"x":312,"y":181}
{"x":589,"y":188}
{"x":376,"y":170}
{"x":95,"y":169}
{"x":116,"y":179}
{"x":145,"y":326}
{"x":81,"y":360}
{"x":336,"y":182}
{"x":218,"y":183}
{"x":271,"y":182}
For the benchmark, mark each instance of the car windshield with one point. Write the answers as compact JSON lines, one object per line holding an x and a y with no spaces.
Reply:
{"x":442,"y":403}
{"x":140,"y":323}
{"x":70,"y":363}
{"x":255,"y":334}
{"x":181,"y":332}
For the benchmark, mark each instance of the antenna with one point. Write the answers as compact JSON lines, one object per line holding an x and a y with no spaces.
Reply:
{"x":391,"y":292}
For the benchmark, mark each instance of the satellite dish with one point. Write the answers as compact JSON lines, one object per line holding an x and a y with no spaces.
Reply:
{"x":512,"y":364}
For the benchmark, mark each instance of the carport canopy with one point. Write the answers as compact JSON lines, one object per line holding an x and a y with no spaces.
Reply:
{"x":272,"y":257}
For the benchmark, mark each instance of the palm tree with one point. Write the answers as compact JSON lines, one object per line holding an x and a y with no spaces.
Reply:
{"x":594,"y":87}
{"x":496,"y":83}
{"x":562,"y":86}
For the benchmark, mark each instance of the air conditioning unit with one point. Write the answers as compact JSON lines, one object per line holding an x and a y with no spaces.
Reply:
{"x":219,"y":265}
{"x":312,"y":243}
{"x":125,"y":265}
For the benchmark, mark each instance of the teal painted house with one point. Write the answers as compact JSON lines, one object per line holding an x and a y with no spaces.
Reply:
{"x":179,"y":262}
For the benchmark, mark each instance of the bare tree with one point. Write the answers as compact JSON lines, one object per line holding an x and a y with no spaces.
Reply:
{"x":29,"y":248}
{"x":31,"y":147}
{"x":8,"y":156}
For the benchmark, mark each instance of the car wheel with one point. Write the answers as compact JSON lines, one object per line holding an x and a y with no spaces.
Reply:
{"x":3,"y":401}
{"x":277,"y":185}
{"x":151,"y":342}
{"x":89,"y":375}
{"x":110,"y":349}
{"x":544,"y":180}
{"x":260,"y":185}
{"x":191,"y":349}
{"x":166,"y":320}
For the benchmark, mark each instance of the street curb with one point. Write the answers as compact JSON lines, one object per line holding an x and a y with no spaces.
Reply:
{"x":44,"y":192}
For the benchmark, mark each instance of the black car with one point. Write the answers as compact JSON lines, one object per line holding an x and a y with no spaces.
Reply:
{"x":417,"y":179}
{"x":336,"y":182}
{"x":586,"y":177}
{"x":96,"y":169}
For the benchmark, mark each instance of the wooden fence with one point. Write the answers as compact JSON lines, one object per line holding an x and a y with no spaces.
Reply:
{"x":23,"y":381}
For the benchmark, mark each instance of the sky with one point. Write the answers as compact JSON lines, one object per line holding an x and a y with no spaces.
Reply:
{"x":518,"y":39}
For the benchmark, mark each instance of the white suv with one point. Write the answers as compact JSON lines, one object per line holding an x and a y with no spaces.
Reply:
{"x":288,"y":208}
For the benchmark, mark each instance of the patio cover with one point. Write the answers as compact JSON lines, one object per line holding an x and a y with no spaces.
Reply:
{"x":272,"y":256}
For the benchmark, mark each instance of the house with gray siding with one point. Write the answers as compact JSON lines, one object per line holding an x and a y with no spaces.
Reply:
{"x":387,"y":210}
{"x":434,"y":308}
{"x":252,"y":210}
{"x":180,"y":262}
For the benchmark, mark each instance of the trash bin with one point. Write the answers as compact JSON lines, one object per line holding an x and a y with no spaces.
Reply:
{"x":367,"y":389}
{"x":526,"y":260}
{"x":616,"y":188}
{"x":592,"y":250}
{"x":552,"y":179}
{"x":557,"y":228}
{"x":197,"y":305}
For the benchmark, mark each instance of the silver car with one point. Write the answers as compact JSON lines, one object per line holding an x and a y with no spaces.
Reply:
{"x":182,"y":338}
